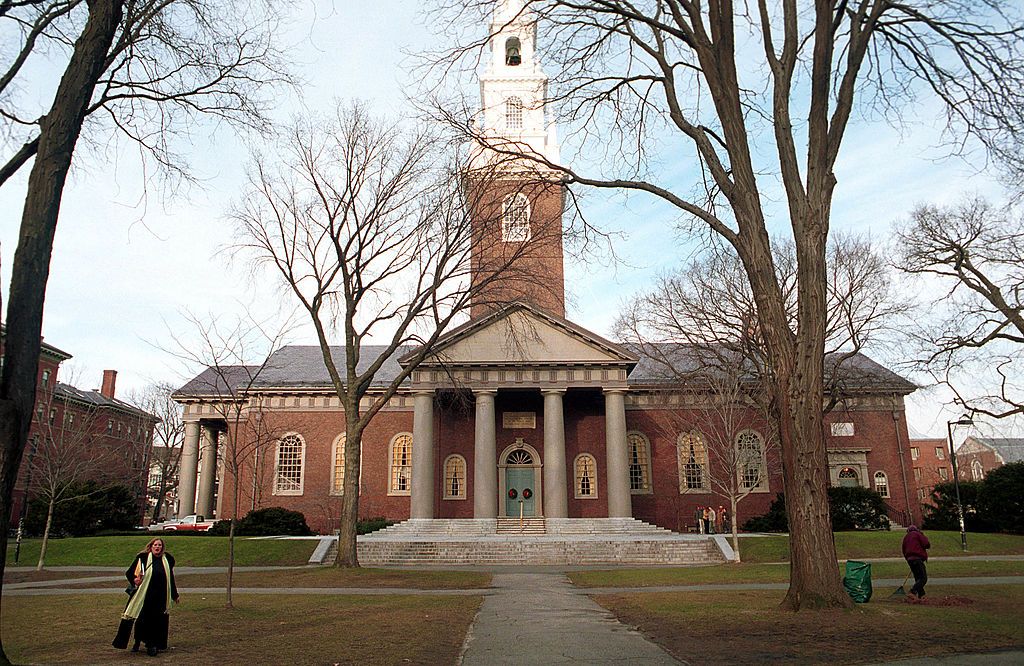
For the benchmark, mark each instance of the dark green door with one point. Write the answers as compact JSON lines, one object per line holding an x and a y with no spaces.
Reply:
{"x":519,"y":488}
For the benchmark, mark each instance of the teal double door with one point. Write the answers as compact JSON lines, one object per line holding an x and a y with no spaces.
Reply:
{"x":520,"y":490}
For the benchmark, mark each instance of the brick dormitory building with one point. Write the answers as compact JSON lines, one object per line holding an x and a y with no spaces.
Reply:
{"x":570,"y":425}
{"x":103,"y":438}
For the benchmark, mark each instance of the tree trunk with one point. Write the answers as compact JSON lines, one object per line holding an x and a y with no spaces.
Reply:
{"x":734,"y":529}
{"x":814,"y":580}
{"x":46,"y":536}
{"x":347,"y":556}
{"x":58,"y":134}
{"x":231,"y":559}
{"x":160,"y":498}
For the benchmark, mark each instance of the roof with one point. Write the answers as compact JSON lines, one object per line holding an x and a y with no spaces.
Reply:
{"x":44,"y":348}
{"x":302,"y":367}
{"x":1010,"y":449}
{"x":670,"y":363}
{"x":66,"y":392}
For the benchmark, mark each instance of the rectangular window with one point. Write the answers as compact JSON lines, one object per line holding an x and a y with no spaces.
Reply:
{"x":940,"y":452}
{"x":46,"y":378}
{"x":842,"y":430}
{"x":53,"y":415}
{"x":917,"y":474}
{"x":110,"y":427}
{"x":943,"y":473}
{"x":922,"y":493}
{"x":915,"y":453}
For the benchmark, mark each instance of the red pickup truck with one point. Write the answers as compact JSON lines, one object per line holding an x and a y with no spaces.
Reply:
{"x":191,"y":523}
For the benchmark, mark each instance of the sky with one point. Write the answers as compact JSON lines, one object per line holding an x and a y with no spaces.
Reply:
{"x":130,"y":260}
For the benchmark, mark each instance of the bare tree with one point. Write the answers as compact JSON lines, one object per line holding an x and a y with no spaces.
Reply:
{"x":975,"y":252}
{"x":168,"y":434}
{"x":72,"y":445}
{"x":657,"y":77}
{"x":235,"y":354}
{"x":377,"y":232}
{"x":147,"y":67}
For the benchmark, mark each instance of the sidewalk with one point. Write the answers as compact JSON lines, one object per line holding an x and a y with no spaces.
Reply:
{"x":540,"y":618}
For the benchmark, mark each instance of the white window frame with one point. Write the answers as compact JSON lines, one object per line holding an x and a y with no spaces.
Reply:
{"x":516,"y":230}
{"x":339,"y":444}
{"x":577,"y":478}
{"x":885,"y":483}
{"x":392,"y":491}
{"x":514,"y":112}
{"x":762,"y":483}
{"x":649,"y":489}
{"x":302,"y":466}
{"x":460,"y":463}
{"x":977,"y":470}
{"x":681,"y":442}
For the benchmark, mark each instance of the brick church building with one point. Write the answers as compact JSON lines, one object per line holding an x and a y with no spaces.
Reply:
{"x":520,"y":411}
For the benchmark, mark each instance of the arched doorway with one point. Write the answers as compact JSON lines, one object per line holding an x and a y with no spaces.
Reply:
{"x":519,"y":475}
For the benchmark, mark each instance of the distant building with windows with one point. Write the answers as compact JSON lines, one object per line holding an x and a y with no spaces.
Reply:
{"x":978,"y":456}
{"x":72,"y":421}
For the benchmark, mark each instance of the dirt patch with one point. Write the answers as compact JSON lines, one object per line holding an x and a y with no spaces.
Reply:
{"x":938,"y":601}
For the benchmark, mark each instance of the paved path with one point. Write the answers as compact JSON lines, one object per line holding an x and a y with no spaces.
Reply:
{"x":541,"y":618}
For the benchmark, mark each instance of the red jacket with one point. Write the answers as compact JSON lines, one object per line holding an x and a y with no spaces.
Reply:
{"x":915,"y":545}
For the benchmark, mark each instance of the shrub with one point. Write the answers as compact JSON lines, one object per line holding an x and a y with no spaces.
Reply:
{"x":856,"y":508}
{"x":367,"y":525}
{"x":772,"y":521}
{"x":942,"y":513}
{"x":1001,"y":498}
{"x":272,"y":521}
{"x":220,"y":528}
{"x":95,"y":508}
{"x":850,"y":508}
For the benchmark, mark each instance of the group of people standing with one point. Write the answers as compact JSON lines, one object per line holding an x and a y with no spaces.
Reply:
{"x":710,"y":521}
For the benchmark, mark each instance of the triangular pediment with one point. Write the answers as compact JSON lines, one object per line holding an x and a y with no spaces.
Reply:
{"x":521,"y":334}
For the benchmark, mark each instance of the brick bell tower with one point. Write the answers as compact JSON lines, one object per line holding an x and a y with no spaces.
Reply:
{"x":516,"y":204}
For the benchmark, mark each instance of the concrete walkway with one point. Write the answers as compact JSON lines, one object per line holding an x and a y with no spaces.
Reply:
{"x":541,"y":618}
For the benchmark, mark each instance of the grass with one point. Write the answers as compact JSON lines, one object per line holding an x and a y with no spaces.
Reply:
{"x":776,"y":573}
{"x":192,"y":551}
{"x":869,"y":545}
{"x":747,"y":627}
{"x":271,"y":629}
{"x":324,"y":577}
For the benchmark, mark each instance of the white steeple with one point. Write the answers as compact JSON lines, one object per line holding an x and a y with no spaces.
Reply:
{"x":513,"y":87}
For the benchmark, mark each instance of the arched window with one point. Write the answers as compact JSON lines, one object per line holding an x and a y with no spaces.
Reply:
{"x":977,"y":470}
{"x":750,"y":455}
{"x":848,"y":478}
{"x":454,"y":477}
{"x":639,"y":463}
{"x":513,"y":52}
{"x":291,"y":452}
{"x":881,"y":484}
{"x":586,"y":476}
{"x":513,"y":113}
{"x":692,"y":454}
{"x":515,"y":218}
{"x":401,"y":464}
{"x":338,"y":474}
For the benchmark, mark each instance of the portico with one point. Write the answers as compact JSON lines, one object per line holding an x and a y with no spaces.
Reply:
{"x":513,"y":356}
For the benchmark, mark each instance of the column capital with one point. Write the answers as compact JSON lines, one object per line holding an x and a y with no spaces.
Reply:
{"x":485,"y":391}
{"x":553,"y":391}
{"x":614,"y":391}
{"x":429,"y":392}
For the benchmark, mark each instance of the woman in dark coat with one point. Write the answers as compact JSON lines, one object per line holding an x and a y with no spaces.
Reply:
{"x":152,"y":572}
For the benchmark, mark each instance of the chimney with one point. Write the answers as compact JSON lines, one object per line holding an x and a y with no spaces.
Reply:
{"x":109,"y":379}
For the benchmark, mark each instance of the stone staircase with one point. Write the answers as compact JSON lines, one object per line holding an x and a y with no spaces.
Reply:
{"x":532,"y":541}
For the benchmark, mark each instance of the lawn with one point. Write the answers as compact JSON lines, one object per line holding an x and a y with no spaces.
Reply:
{"x":868,"y":545}
{"x":777,"y":573}
{"x":191,"y":551}
{"x":283,"y":629}
{"x":747,"y":627}
{"x":429,"y":579}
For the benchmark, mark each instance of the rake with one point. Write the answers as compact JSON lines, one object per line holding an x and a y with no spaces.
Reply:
{"x":900,"y":592}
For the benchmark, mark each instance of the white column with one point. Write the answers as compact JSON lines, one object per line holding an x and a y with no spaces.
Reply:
{"x":556,"y":502}
{"x":619,"y":502}
{"x":485,"y":458}
{"x":207,"y":471}
{"x":422,"y":490}
{"x":187,"y":470}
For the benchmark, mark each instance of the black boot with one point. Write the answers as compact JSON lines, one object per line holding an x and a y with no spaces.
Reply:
{"x":135,"y":648}
{"x":151,"y":650}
